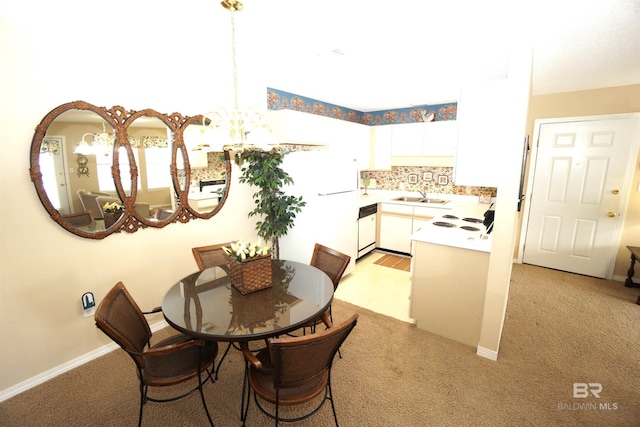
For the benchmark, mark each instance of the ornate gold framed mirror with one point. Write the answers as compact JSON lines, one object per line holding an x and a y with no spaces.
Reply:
{"x":136,"y":169}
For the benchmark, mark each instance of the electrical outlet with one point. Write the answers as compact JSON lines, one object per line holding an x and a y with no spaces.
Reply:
{"x":88,"y":304}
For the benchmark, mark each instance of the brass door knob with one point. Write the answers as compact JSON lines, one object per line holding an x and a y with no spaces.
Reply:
{"x":612,"y":214}
{"x":616,"y":191}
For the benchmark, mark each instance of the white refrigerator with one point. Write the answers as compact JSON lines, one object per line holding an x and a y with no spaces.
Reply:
{"x":329,"y":185}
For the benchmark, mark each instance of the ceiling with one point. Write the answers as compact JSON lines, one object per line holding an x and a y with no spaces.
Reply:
{"x":368,"y":55}
{"x":374,"y":55}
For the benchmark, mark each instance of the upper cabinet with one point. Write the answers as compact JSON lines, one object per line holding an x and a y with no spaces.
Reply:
{"x":376,"y":153}
{"x":480,"y":133}
{"x":296,"y":127}
{"x":407,"y":139}
{"x":425,"y":139}
{"x":348,"y":138}
{"x":339,"y":136}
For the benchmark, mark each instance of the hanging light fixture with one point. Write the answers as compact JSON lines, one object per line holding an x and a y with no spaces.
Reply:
{"x":236,"y":130}
{"x":100,"y":143}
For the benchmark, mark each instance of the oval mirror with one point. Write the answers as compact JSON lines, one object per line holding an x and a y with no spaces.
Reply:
{"x":65,"y":148}
{"x":98,"y":171}
{"x":150,"y":139}
{"x":210,"y":167}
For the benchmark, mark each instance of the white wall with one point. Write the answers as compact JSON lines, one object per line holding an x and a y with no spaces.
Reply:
{"x":109,"y":56}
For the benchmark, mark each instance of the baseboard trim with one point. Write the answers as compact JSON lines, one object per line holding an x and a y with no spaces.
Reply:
{"x":487,"y":354}
{"x":61,"y":369}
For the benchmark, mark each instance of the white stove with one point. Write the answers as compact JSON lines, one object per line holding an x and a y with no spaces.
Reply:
{"x":462,"y":231}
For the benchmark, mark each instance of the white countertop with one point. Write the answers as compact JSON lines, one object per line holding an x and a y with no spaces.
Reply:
{"x":204,"y":195}
{"x":455,"y":237}
{"x":458,"y":205}
{"x":467,"y":205}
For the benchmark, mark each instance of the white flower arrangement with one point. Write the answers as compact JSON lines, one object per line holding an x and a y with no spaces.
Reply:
{"x":112,"y":207}
{"x":242,"y":250}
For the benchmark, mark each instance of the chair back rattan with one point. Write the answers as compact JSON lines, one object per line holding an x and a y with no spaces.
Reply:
{"x":303,"y":360}
{"x":211,"y":256}
{"x":332,"y":262}
{"x":80,"y":219}
{"x":120,"y":318}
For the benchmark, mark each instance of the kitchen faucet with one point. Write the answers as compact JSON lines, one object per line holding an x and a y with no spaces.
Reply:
{"x":423,"y":193}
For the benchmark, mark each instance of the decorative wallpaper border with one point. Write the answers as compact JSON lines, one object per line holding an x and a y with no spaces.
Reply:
{"x":432,"y":179}
{"x":281,"y":100}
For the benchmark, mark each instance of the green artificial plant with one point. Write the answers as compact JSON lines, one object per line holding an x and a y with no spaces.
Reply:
{"x":262,"y":169}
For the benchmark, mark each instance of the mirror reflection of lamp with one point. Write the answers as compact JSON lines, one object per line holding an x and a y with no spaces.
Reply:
{"x":100,"y":144}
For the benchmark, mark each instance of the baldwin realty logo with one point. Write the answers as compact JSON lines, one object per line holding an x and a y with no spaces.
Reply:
{"x":584,"y":391}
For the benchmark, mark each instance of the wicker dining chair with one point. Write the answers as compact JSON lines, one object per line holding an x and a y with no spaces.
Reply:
{"x":80,"y":219}
{"x":333,"y":263}
{"x":293,"y":370}
{"x":211,"y":256}
{"x":172,"y":361}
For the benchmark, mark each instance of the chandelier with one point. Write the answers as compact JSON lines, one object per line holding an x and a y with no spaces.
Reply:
{"x":100,"y":143}
{"x":236,"y":130}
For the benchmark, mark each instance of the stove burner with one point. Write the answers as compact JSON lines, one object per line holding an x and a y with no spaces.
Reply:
{"x":475,"y":220}
{"x":444,"y":224}
{"x":470,"y":228}
{"x":449,"y":216}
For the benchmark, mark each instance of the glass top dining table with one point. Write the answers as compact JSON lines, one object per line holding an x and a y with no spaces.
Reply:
{"x":205,"y":305}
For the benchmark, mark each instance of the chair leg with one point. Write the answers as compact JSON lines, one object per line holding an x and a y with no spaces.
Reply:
{"x":246,"y":394}
{"x":143,"y":393}
{"x":204,"y":402}
{"x":335,"y":417}
{"x":331,"y":318}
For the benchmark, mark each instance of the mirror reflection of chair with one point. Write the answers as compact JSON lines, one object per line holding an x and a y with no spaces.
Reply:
{"x":294,"y":370}
{"x":172,"y":361}
{"x":81,"y":219}
{"x":213,"y":256}
{"x":89,"y":201}
{"x":163,"y":214}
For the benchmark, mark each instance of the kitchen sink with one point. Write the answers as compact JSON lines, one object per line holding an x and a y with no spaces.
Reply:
{"x":421,"y":200}
{"x":409,"y":199}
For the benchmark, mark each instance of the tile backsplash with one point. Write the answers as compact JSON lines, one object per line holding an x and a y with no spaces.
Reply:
{"x":423,"y":178}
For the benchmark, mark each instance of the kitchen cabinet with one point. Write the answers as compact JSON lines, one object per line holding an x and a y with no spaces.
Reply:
{"x":203,"y":202}
{"x":395,"y":233}
{"x":440,"y":138}
{"x":292,"y":127}
{"x":448,"y":287}
{"x":421,"y":216}
{"x":339,"y":136}
{"x":480,"y":134}
{"x":376,"y":154}
{"x":425,"y":139}
{"x":407,"y":139}
{"x":399,"y":222}
{"x":348,"y":139}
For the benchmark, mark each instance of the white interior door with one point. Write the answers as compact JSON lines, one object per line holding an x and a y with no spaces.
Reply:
{"x":577,"y":197}
{"x":54,"y":174}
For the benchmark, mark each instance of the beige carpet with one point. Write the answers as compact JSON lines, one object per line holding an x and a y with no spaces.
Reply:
{"x":394,"y":261}
{"x":560,"y":329}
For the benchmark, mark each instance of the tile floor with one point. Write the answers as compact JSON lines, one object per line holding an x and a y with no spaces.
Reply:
{"x":384,"y":290}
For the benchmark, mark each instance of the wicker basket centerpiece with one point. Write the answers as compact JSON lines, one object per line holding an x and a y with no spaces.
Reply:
{"x":250,"y":266}
{"x":112,"y":213}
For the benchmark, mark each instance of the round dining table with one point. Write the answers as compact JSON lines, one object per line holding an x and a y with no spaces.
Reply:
{"x":205,"y":305}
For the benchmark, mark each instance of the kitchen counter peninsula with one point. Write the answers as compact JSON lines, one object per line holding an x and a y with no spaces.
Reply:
{"x":449,"y":270}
